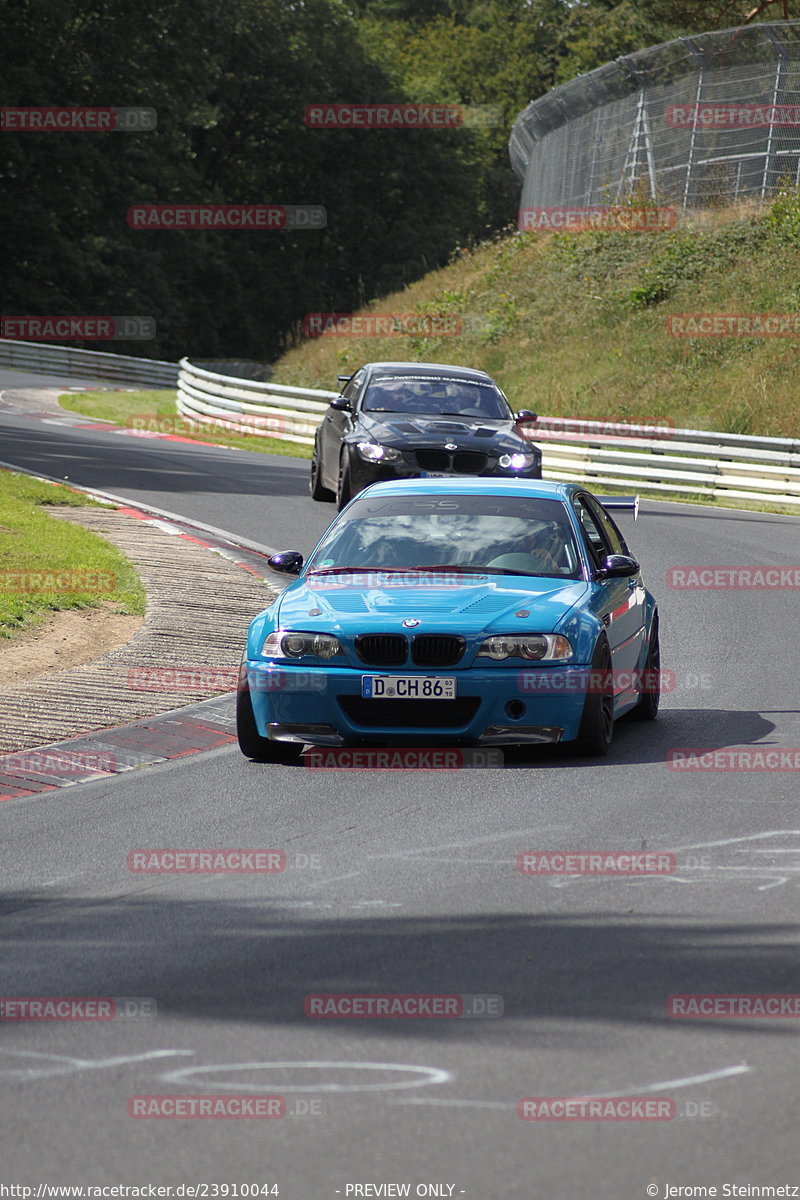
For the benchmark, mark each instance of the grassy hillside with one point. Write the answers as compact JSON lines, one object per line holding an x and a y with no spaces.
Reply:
{"x":575,"y":324}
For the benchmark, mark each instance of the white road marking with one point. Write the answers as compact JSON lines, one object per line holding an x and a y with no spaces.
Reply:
{"x":70,"y":1065}
{"x":530,"y":831}
{"x":429,"y":1075}
{"x":667,"y":1085}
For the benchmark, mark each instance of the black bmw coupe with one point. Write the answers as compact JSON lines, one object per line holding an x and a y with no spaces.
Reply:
{"x":411,"y":420}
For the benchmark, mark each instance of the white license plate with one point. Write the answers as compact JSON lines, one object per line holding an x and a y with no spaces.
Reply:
{"x":436,"y":474}
{"x":408,"y":687}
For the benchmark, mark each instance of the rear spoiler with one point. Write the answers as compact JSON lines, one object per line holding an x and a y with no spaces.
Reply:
{"x":624,"y":503}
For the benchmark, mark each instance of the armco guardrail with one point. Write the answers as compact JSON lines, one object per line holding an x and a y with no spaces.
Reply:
{"x":248,"y":406}
{"x":652,"y":458}
{"x":94,"y":364}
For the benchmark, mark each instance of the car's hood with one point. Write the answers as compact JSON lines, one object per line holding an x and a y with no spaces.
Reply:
{"x":466,"y":433}
{"x":467,"y":605}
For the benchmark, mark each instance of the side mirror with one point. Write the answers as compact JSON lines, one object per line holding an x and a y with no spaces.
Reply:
{"x":290,"y":562}
{"x":525,"y":414}
{"x":344,"y":378}
{"x":341,"y":404}
{"x":617,"y":566}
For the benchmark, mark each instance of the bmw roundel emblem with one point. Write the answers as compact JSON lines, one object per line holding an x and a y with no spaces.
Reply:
{"x":410,"y":623}
{"x":450,"y":446}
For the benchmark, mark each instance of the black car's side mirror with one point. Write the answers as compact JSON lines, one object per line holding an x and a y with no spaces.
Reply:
{"x":341,"y":404}
{"x":290,"y":562}
{"x":525,"y":414}
{"x":617,"y":566}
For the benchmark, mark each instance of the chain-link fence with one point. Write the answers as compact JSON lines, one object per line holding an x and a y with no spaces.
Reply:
{"x":701,"y":120}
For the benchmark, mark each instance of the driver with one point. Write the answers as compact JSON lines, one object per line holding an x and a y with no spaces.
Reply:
{"x":536,"y":553}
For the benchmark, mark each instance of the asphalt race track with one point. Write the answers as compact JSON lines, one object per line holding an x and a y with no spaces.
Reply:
{"x":407,"y":882}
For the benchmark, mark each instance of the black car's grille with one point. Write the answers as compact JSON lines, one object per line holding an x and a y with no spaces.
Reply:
{"x":382,"y":649}
{"x":433,"y":460}
{"x":437,"y":649}
{"x":466,"y":462}
{"x":410,"y":714}
{"x":469,"y":462}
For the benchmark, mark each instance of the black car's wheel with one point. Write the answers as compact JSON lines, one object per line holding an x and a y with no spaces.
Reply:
{"x":647,"y":708}
{"x":597,"y":723}
{"x":343,"y":493}
{"x":252,"y":744}
{"x":318,"y":492}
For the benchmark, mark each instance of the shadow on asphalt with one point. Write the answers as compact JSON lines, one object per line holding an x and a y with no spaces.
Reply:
{"x":233,"y":960}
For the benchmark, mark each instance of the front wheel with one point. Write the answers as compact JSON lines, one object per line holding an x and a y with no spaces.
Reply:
{"x":318,"y":492}
{"x":252,"y":744}
{"x":343,"y":494}
{"x":597,"y":723}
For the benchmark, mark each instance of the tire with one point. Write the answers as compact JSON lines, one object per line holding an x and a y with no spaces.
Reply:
{"x":252,"y":744}
{"x":647,"y":708}
{"x":318,"y":492}
{"x":597,"y":724}
{"x":343,"y":493}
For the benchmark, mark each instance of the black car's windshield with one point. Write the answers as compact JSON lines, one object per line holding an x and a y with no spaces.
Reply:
{"x":500,"y":535}
{"x":436,"y":394}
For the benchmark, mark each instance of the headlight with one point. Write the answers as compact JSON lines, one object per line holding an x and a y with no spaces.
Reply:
{"x":375,"y":452}
{"x":542,"y":647}
{"x":285,"y":643}
{"x":517,"y":462}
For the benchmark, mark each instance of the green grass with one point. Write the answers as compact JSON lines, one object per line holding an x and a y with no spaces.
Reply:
{"x":32,"y":541}
{"x":574,"y":325}
{"x":123,"y":406}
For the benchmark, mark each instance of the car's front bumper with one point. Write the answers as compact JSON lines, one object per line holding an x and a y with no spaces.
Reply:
{"x":362,"y":473}
{"x":317,"y":706}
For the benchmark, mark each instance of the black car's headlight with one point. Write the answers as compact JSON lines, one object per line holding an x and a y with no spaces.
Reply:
{"x":375,"y":452}
{"x":517,"y":461}
{"x":540,"y":647}
{"x":291,"y":644}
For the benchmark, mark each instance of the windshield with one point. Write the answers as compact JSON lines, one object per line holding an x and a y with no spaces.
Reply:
{"x":437,"y":394}
{"x":501,"y":535}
